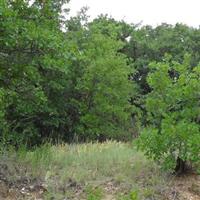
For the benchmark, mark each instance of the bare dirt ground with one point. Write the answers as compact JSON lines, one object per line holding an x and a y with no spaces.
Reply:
{"x":186,"y":187}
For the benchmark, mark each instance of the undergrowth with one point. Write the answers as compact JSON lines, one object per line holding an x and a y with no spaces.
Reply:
{"x":92,"y":171}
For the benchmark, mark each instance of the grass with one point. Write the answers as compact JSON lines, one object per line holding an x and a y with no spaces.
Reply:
{"x":92,"y":171}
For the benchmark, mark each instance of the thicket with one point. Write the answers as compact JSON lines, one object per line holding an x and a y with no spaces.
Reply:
{"x":74,"y":80}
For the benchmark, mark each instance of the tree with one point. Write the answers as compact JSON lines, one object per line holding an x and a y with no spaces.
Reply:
{"x":173,"y":131}
{"x":34,"y":70}
{"x":101,"y":82}
{"x":47,"y":69}
{"x":148,"y":44}
{"x":104,"y":89}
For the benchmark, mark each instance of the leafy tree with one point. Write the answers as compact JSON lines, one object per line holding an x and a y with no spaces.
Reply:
{"x":65,"y":79}
{"x":105,"y":89}
{"x":173,"y":131}
{"x":34,"y":70}
{"x":100,"y":82}
{"x":121,"y":31}
{"x":108,"y":26}
{"x":48,"y":66}
{"x":148,"y":44}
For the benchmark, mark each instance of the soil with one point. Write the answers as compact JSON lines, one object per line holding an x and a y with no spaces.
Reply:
{"x":185,"y":187}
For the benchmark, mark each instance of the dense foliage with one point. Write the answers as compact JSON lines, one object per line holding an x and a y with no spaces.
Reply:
{"x":173,"y":114}
{"x":75,"y":80}
{"x":55,"y":84}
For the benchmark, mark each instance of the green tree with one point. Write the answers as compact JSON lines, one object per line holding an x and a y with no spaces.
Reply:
{"x":105,"y":89}
{"x":34,"y":70}
{"x":100,"y":81}
{"x":148,"y":44}
{"x":47,"y":68}
{"x":173,"y":131}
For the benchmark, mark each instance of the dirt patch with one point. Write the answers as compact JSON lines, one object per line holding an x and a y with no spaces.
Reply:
{"x":18,"y":192}
{"x":15,"y":185}
{"x":185,"y":187}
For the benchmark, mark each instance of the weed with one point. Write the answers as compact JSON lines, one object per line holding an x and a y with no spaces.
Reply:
{"x":94,"y":193}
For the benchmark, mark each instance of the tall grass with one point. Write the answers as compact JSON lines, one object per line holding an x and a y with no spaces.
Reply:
{"x":85,"y":162}
{"x":91,"y":164}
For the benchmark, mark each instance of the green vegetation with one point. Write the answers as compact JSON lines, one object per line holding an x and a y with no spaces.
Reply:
{"x":173,"y":113}
{"x":92,"y":171}
{"x":74,"y":84}
{"x":59,"y":85}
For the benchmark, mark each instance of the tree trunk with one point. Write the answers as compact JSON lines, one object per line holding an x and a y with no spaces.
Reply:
{"x":180,"y":166}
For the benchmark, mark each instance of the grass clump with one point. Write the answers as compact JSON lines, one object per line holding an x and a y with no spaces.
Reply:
{"x":94,"y":193}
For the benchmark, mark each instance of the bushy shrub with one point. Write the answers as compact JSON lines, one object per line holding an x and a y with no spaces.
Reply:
{"x":173,"y":131}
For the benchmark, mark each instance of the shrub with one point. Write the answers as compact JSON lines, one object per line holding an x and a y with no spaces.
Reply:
{"x":172,"y":134}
